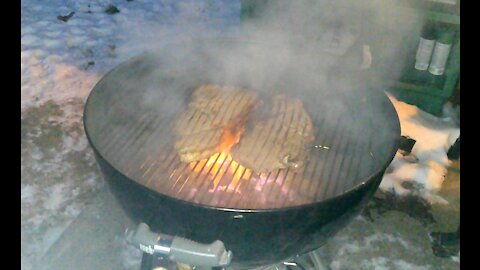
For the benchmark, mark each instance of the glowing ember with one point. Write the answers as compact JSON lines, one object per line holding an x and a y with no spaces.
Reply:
{"x":221,"y":163}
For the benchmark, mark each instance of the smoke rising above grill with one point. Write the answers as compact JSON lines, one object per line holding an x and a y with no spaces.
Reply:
{"x":309,"y":49}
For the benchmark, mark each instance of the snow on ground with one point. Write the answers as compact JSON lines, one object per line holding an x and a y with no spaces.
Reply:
{"x":59,"y":175}
{"x":62,"y":57}
{"x":390,"y":242}
{"x":132,"y":256}
{"x":434,"y":136}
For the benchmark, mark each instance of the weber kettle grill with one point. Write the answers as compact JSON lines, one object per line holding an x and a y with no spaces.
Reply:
{"x":212,"y":213}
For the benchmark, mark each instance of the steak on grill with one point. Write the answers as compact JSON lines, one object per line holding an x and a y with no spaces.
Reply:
{"x":279,"y":141}
{"x":212,"y":112}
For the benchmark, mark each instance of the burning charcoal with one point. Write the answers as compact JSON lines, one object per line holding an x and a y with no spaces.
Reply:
{"x":111,"y":9}
{"x":66,"y":18}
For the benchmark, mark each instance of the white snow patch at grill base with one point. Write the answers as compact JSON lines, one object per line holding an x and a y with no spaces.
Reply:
{"x":434,"y":136}
{"x":57,"y":196}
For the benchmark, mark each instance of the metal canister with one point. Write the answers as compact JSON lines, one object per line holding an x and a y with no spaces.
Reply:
{"x":425,"y":47}
{"x":441,"y":51}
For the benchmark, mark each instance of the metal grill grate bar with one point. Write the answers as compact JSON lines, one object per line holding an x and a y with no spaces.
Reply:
{"x":115,"y":134}
{"x":336,"y":165}
{"x":132,"y":142}
{"x":326,"y":163}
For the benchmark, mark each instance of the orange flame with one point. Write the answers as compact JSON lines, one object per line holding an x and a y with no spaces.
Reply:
{"x":221,"y":163}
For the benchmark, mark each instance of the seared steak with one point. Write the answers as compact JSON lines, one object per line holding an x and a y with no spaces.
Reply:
{"x":212,"y":111}
{"x":279,"y":141}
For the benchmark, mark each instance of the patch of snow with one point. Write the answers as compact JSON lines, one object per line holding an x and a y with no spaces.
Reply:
{"x":27,"y":193}
{"x":29,"y":40}
{"x":57,"y":197}
{"x":52,"y":43}
{"x":52,"y":234}
{"x":434,"y":136}
{"x":26,"y":29}
{"x":74,"y":144}
{"x":58,"y":169}
{"x":36,"y":153}
{"x":131,"y":256}
{"x":456,"y":258}
{"x":373,"y":240}
{"x":401,"y":264}
{"x":73,"y":210}
{"x":349,"y":248}
{"x":375,"y":263}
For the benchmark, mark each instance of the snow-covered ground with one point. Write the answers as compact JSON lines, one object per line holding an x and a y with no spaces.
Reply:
{"x":428,"y":163}
{"x":62,"y":59}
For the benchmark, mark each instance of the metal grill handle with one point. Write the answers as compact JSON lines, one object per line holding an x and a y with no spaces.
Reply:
{"x":179,"y":249}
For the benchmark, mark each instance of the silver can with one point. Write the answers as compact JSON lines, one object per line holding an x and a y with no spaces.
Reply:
{"x":439,"y":58}
{"x":424,"y":52}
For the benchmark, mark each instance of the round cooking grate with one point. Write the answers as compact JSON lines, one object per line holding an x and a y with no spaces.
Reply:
{"x":130,"y":115}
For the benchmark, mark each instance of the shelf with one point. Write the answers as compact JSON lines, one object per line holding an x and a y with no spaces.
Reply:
{"x":423,"y":79}
{"x":423,"y":89}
